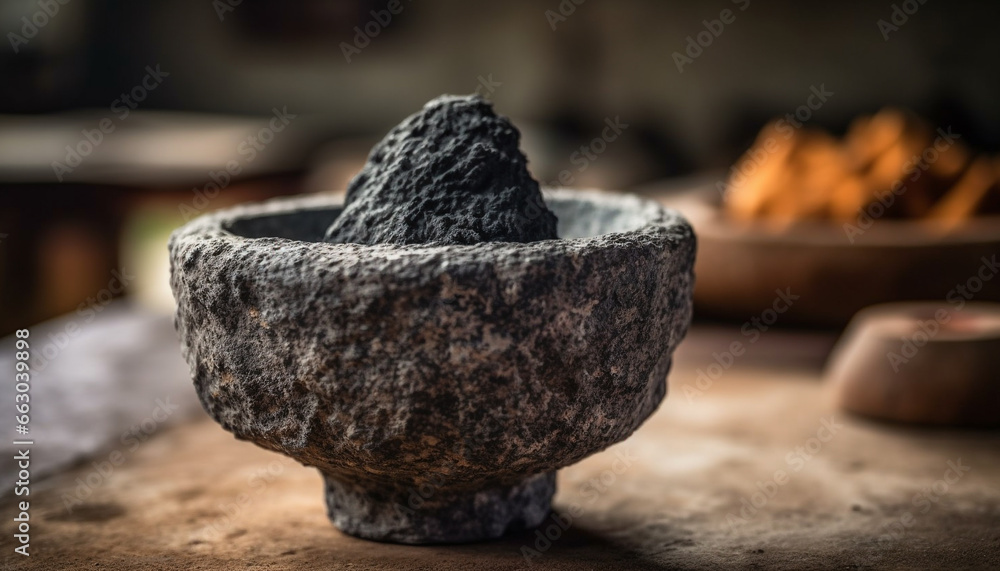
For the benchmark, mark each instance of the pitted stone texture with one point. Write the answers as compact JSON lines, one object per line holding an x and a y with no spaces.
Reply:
{"x":468,"y":368}
{"x":451,"y":174}
{"x":425,"y":515}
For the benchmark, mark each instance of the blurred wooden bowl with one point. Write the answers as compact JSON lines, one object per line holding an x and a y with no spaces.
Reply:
{"x":741,"y":265}
{"x":922,"y":363}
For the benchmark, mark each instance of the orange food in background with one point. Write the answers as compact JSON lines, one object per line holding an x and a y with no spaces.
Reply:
{"x":804,"y":174}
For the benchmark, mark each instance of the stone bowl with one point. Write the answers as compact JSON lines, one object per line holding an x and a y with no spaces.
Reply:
{"x":436,"y":388}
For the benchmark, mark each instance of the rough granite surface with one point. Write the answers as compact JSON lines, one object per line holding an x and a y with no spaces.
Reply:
{"x":452,"y":173}
{"x":184,"y":501}
{"x":436,"y":387}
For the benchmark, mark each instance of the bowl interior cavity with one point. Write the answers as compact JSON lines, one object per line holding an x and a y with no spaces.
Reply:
{"x":578,"y":218}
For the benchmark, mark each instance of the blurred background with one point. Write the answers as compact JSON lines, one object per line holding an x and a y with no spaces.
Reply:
{"x":559,"y":70}
{"x":830,"y":157}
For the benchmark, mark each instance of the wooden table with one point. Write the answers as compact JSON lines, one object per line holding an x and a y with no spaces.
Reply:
{"x":754,"y":471}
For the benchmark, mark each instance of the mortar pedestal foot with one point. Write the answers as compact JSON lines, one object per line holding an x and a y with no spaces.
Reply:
{"x":437,"y":514}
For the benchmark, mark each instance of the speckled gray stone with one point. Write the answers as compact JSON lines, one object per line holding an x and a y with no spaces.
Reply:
{"x":437,"y":388}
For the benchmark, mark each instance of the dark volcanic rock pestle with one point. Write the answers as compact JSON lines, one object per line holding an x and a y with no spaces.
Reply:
{"x":451,"y":174}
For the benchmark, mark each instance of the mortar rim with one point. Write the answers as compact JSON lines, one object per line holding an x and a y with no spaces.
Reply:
{"x":659,"y":224}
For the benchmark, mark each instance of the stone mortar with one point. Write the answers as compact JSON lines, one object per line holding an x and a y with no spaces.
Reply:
{"x":436,"y":388}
